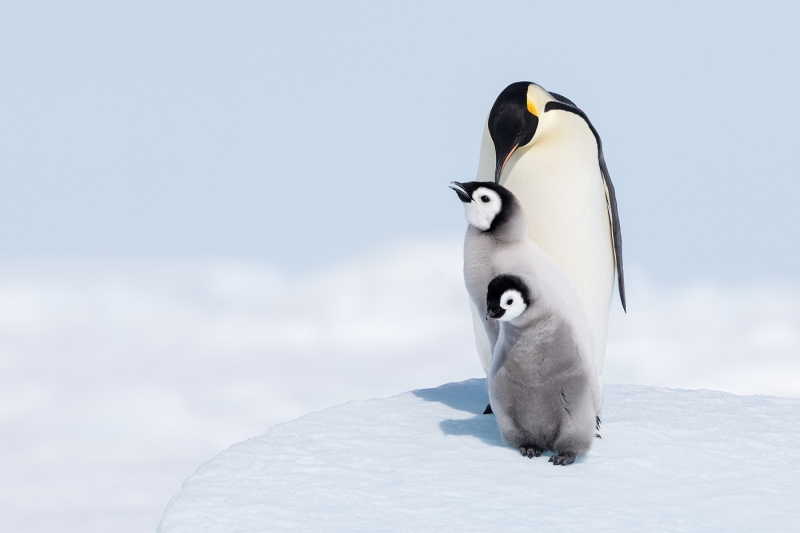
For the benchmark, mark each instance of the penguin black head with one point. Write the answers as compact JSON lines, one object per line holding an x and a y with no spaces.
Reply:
{"x":486,"y":205}
{"x":512,"y":122}
{"x":507,"y":297}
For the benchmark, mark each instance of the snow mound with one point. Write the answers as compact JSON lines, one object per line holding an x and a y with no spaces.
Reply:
{"x":676,"y":460}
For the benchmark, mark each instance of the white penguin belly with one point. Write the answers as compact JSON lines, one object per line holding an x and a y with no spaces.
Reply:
{"x":563,"y":195}
{"x":482,"y":342}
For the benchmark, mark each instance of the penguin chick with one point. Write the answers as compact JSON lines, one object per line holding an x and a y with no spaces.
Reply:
{"x":496,"y":242}
{"x":542,"y":382}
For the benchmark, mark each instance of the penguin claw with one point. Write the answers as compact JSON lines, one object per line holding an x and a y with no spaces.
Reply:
{"x":488,"y":410}
{"x":563,"y":459}
{"x":530,"y":451}
{"x":597,"y":422}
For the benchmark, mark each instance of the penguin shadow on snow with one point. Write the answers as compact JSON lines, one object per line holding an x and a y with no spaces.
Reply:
{"x":469,"y":396}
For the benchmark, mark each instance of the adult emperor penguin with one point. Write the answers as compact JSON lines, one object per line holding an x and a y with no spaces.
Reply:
{"x":542,"y":378}
{"x":544,"y":149}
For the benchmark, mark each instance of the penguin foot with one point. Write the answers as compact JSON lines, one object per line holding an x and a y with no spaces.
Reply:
{"x":530,"y":451}
{"x":488,"y":410}
{"x":563,"y":458}
{"x":597,"y":422}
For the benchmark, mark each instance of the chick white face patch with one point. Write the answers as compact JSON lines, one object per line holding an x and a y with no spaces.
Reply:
{"x":485,"y":205}
{"x":513,"y":303}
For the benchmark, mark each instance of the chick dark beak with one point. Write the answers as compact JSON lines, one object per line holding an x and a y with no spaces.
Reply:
{"x":462,"y":194}
{"x":495,"y":312}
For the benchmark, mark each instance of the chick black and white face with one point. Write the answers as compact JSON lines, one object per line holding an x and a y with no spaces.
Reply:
{"x":487,"y":206}
{"x":483,"y":208}
{"x":513,"y":305}
{"x":507,"y":297}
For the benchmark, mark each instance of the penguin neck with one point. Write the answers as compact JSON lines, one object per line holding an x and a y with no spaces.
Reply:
{"x":533,"y":317}
{"x":511,"y":228}
{"x":544,"y":323}
{"x":563,"y":146}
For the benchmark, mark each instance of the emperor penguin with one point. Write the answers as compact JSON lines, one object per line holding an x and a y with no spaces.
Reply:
{"x":495,"y":242}
{"x":544,"y":149}
{"x":542,"y":378}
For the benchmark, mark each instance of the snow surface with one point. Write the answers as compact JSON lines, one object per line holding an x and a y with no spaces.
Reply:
{"x":118,"y":378}
{"x":669,"y":460}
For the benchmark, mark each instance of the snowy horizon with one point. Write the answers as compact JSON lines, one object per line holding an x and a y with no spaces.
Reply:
{"x":121,"y":377}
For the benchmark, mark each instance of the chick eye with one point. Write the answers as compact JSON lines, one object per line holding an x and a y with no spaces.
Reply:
{"x":509,"y":302}
{"x":485,"y":199}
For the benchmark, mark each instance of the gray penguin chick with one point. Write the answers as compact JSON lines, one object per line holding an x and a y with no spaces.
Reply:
{"x":495,"y":242}
{"x":542,"y":383}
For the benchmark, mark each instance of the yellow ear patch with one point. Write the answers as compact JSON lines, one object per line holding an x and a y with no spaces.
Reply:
{"x":532,"y":107}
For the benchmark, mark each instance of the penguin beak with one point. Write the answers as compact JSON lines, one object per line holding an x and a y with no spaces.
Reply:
{"x":499,"y":167}
{"x":462,"y":194}
{"x":495,"y":312}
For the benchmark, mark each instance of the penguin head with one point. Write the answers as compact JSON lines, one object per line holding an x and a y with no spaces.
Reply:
{"x":514,"y":119}
{"x":486,"y":205}
{"x":507,"y":298}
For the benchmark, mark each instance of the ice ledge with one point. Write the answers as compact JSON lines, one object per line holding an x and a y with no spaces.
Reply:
{"x":428,"y":460}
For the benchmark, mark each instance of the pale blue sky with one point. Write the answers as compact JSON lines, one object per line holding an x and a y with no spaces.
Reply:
{"x":301,"y":134}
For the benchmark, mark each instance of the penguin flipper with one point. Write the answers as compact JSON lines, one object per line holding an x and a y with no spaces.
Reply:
{"x":564,"y":104}
{"x":616,"y":231}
